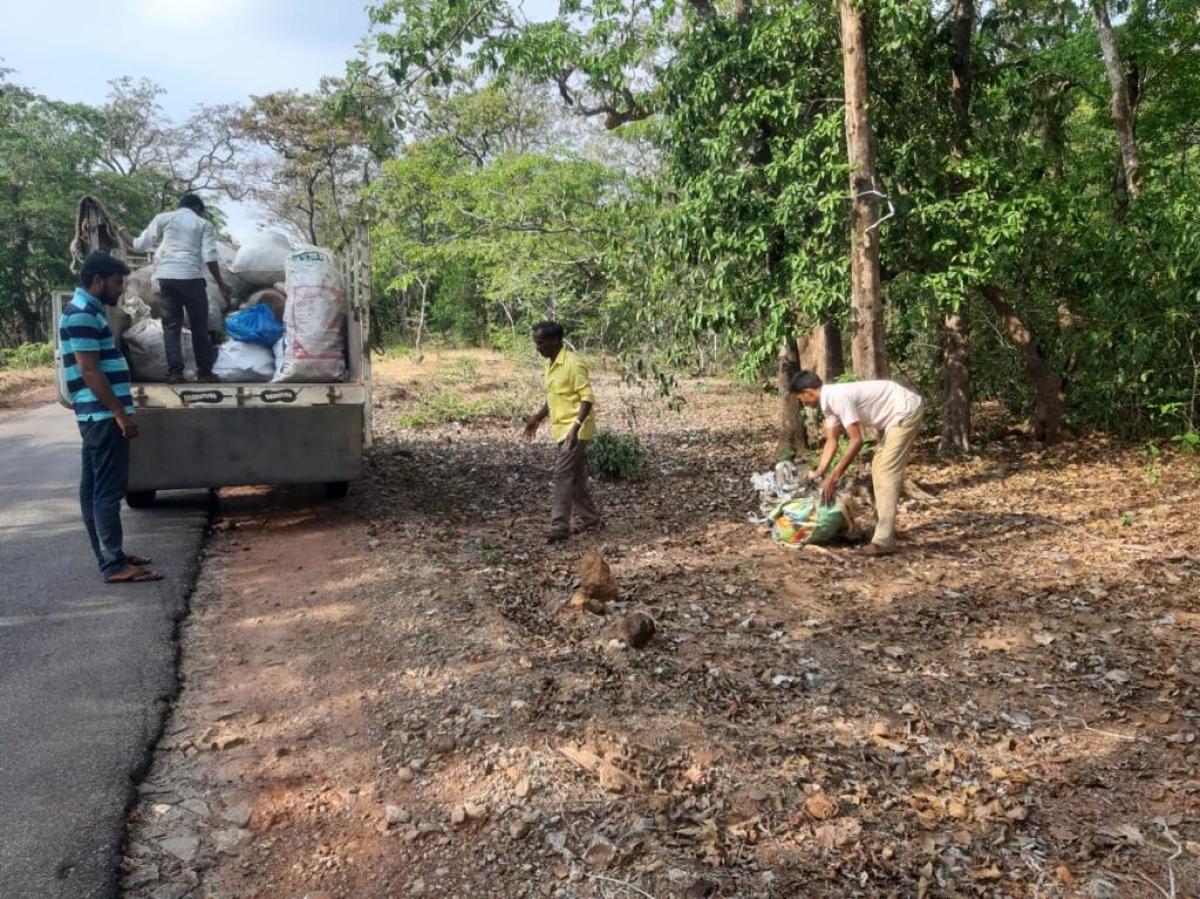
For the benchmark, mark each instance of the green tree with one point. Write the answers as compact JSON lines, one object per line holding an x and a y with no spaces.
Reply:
{"x":321,"y":162}
{"x":49,"y":158}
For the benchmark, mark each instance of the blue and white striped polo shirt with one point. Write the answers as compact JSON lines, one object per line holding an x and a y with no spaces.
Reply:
{"x":83,"y":328}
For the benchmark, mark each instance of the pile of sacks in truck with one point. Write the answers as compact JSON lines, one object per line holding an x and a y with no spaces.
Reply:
{"x":286,"y":319}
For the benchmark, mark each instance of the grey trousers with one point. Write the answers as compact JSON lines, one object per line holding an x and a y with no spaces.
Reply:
{"x":189,"y":295}
{"x":571,"y":490}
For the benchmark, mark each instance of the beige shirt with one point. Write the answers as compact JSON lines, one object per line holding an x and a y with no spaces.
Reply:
{"x":869,"y":404}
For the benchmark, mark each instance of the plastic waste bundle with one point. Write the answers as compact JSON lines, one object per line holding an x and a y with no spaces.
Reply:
{"x":255,"y":325}
{"x":240,"y":361}
{"x":261,"y":260}
{"x":314,"y":340}
{"x":148,"y":355}
{"x":798,"y":522}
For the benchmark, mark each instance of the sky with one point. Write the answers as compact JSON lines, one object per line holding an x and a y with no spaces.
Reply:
{"x":200,"y":51}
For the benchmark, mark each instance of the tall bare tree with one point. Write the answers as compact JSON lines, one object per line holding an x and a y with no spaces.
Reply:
{"x":1122,"y":110}
{"x":866,"y":305}
{"x":956,"y":325}
{"x":139,"y":140}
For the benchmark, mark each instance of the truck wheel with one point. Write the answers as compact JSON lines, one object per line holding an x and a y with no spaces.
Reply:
{"x":337,"y":489}
{"x":140,"y":499}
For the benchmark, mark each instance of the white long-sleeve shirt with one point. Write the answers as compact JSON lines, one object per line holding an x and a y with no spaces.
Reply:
{"x":182,"y":242}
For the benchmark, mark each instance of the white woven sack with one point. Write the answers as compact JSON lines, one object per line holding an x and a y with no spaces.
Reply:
{"x":314,"y":319}
{"x":260,"y":260}
{"x":148,"y":355}
{"x":238,"y":361}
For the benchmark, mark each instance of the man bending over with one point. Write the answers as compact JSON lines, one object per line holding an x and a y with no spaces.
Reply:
{"x":894,"y":411}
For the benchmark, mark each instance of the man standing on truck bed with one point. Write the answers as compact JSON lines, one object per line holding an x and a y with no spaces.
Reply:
{"x":98,"y":380}
{"x":184,"y":243}
{"x":568,"y":405}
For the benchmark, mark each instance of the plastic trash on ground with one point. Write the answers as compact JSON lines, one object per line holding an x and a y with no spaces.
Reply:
{"x":799,"y":522}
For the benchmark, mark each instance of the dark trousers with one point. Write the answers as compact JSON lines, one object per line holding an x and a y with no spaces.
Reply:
{"x":102,"y":482}
{"x":571,"y":489}
{"x":178,"y":296}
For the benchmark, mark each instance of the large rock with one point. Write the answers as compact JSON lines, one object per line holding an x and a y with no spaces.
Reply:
{"x":595,"y":578}
{"x":637,"y":629}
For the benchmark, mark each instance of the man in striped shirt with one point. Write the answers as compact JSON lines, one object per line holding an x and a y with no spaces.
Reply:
{"x":98,"y":380}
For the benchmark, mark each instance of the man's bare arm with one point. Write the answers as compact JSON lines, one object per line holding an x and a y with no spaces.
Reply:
{"x":585,"y":409}
{"x":534,"y":421}
{"x":214,"y":269}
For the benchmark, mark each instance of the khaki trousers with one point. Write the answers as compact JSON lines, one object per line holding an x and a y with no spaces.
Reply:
{"x":571,"y":490}
{"x":887,"y":474}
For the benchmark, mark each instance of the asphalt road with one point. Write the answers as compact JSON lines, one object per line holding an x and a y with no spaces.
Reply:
{"x":87,"y":670}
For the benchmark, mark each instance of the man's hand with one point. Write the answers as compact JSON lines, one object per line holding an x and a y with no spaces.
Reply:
{"x":225,"y":291}
{"x":811,"y":475}
{"x":531,"y":426}
{"x":829,"y":490}
{"x":128,"y":426}
{"x":572,"y":437}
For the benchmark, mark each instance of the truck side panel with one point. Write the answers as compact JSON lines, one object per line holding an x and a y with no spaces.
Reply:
{"x":181,"y":448}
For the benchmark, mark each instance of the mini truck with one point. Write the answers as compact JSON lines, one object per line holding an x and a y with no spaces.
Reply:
{"x":231,"y":434}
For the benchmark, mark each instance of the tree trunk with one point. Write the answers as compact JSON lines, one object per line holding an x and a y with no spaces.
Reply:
{"x":821,"y":352}
{"x":866,"y":337}
{"x":424,"y":285}
{"x":956,"y":326}
{"x":1122,"y":110}
{"x":31,"y":320}
{"x":792,"y":438}
{"x":1049,"y":402}
{"x":956,"y":383}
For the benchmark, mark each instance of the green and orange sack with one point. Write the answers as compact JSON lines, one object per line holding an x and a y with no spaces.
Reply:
{"x":798,"y":522}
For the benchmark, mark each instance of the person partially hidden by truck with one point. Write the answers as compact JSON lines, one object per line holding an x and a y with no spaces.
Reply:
{"x":97,"y":378}
{"x":184,"y":244}
{"x":894,"y":411}
{"x":569,"y":402}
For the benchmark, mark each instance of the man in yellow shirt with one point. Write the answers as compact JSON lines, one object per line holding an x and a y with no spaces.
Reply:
{"x":568,"y":405}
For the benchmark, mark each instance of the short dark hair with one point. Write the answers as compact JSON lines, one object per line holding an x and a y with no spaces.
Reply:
{"x":192,"y":202}
{"x":100,"y":265}
{"x":551,"y":329}
{"x":804,"y":380}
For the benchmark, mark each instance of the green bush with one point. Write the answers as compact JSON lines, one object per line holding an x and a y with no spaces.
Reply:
{"x":27,"y":355}
{"x":616,"y":457}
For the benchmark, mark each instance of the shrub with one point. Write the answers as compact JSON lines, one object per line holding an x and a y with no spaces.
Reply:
{"x":615,"y":457}
{"x":27,"y":355}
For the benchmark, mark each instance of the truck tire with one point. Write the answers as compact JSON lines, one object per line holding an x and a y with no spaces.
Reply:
{"x":336,"y":489}
{"x":140,"y":499}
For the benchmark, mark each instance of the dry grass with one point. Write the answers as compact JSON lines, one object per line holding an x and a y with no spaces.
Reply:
{"x":21,"y":388}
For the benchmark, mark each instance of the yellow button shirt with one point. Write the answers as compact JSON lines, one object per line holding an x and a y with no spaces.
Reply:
{"x":567,"y":386}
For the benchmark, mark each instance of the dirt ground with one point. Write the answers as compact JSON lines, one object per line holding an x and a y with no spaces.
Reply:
{"x":391,"y":696}
{"x":24,"y":389}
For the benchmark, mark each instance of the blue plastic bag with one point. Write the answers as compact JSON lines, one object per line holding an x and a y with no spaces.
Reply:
{"x":255,"y":325}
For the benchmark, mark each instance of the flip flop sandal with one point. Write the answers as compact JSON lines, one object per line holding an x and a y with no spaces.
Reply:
{"x":140,"y":575}
{"x":139,"y":561}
